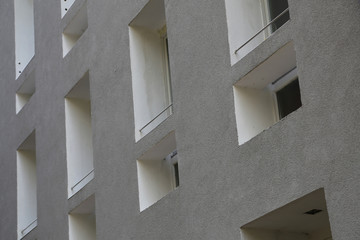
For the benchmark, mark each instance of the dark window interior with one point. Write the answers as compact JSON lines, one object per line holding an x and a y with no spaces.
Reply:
{"x":288,"y":98}
{"x":275,"y":8}
{"x":176,"y":170}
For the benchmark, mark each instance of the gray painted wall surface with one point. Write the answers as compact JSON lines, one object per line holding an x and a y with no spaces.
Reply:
{"x":222,"y":185}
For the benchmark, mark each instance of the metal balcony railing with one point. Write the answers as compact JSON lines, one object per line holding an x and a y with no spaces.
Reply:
{"x":28,"y":226}
{"x":155,"y":117}
{"x":72,"y":188}
{"x":266,"y":26}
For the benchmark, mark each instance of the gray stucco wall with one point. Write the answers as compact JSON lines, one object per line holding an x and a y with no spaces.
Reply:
{"x":223,"y":185}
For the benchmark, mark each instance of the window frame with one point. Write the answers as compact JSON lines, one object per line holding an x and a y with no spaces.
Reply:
{"x":266,"y":17}
{"x":166,"y":63}
{"x":173,"y":160}
{"x":279,"y":84}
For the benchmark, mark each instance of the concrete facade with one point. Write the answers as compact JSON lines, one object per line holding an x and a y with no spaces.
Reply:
{"x":223,"y":185}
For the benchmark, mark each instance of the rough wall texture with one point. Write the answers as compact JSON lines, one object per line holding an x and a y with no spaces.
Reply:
{"x":223,"y":185}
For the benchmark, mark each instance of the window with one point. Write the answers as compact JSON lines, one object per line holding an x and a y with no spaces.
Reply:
{"x":247,"y":23}
{"x":171,"y":159}
{"x":24,"y":34}
{"x":267,"y":94}
{"x":286,"y":94}
{"x":82,"y":221}
{"x":276,"y":7}
{"x":288,"y":98}
{"x":79,"y":147}
{"x":302,"y":219}
{"x":149,"y":54}
{"x":74,"y":30}
{"x":26,"y":186}
{"x":158,"y":172}
{"x":176,"y":174}
{"x":25,"y":92}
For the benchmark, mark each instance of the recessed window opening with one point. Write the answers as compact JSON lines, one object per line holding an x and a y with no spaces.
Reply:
{"x":24,"y":34}
{"x":290,"y":222}
{"x":65,"y":6}
{"x":26,"y":186}
{"x":158,"y":172}
{"x":79,"y":147}
{"x":82,"y":221}
{"x":149,"y":54}
{"x":267,"y":94}
{"x":251,"y":22}
{"x":25,"y":92}
{"x":74,"y":30}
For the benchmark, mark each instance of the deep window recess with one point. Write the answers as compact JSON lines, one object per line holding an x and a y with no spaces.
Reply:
{"x":25,"y":92}
{"x":24,"y":34}
{"x":74,"y":30}
{"x":267,"y":94}
{"x":251,"y":22}
{"x":79,"y":147}
{"x":158,"y":171}
{"x":82,"y":221}
{"x":149,"y":55}
{"x":292,"y":221}
{"x":26,"y":186}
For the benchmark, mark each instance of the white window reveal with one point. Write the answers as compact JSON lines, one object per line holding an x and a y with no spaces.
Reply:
{"x":149,"y":53}
{"x":25,"y":92}
{"x":74,"y":30}
{"x":79,"y":147}
{"x":250,"y":22}
{"x":158,"y":172}
{"x":26,"y":186}
{"x":24,"y":34}
{"x":82,"y":221}
{"x":267,"y":94}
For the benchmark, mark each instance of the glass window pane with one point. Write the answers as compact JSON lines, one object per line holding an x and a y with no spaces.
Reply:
{"x":288,"y":98}
{"x":275,"y":8}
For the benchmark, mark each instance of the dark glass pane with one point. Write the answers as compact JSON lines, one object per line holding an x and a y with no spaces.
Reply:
{"x":288,"y":98}
{"x":176,"y":170}
{"x":275,"y":8}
